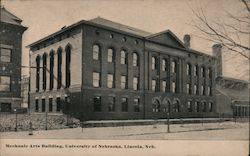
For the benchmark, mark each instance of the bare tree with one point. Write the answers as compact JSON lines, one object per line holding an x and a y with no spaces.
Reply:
{"x":229,"y":35}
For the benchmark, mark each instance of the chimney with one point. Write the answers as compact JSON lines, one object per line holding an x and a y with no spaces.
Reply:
{"x":186,"y":40}
{"x":217,"y":52}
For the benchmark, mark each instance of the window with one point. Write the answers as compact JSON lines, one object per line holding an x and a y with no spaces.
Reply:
{"x":111,"y":36}
{"x":204,"y":106}
{"x":96,"y":79}
{"x":176,"y":106}
{"x":58,"y":104}
{"x":153,"y":85}
{"x":173,"y":67}
{"x":51,"y":71}
{"x":96,"y":52}
{"x":5,"y":55}
{"x":195,"y":89}
{"x":37,"y":105}
{"x":136,"y":105}
{"x":203,"y":73}
{"x":156,"y":107}
{"x":135,"y":60}
{"x":189,"y":106}
{"x":5,"y":84}
{"x":164,"y":65}
{"x":59,"y":69}
{"x":210,"y":73}
{"x":110,"y":55}
{"x":196,"y":106}
{"x":50,"y":104}
{"x":164,"y":86}
{"x":173,"y":87}
{"x":195,"y":70}
{"x":124,"y":39}
{"x":110,"y":81}
{"x":202,"y":90}
{"x":44,"y":71}
{"x":188,"y":88}
{"x":43,"y":105}
{"x":153,"y":63}
{"x":37,"y":73}
{"x":68,"y":63}
{"x":97,"y":104}
{"x":188,"y":69}
{"x":124,"y":82}
{"x":209,"y":91}
{"x":124,"y":104}
{"x":135,"y":83}
{"x":111,"y":104}
{"x":123,"y":57}
{"x":210,"y":106}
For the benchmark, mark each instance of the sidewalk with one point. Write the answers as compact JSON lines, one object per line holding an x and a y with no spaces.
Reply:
{"x":114,"y":123}
{"x":206,"y":131}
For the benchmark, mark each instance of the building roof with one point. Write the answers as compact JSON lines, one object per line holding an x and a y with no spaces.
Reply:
{"x":236,"y":89}
{"x":7,"y":17}
{"x":119,"y":26}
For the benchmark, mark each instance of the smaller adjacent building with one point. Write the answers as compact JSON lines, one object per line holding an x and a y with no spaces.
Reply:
{"x":11,"y":31}
{"x":232,"y":95}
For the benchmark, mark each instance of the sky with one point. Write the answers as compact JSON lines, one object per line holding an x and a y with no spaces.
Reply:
{"x":43,"y":17}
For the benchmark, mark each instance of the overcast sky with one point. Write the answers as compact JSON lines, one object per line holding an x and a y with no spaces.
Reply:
{"x":43,"y":17}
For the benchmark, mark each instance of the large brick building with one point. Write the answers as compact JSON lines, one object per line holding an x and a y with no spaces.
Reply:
{"x":11,"y":32}
{"x":100,"y":69}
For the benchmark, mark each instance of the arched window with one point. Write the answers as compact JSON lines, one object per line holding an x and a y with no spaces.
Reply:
{"x":59,"y":69}
{"x":44,"y":71}
{"x":164,"y":65}
{"x":176,"y":106}
{"x":173,"y":67}
{"x":153,"y":63}
{"x":123,"y":57}
{"x":156,"y":106}
{"x":196,"y":73}
{"x":68,"y":61}
{"x":111,"y":55}
{"x":96,"y":52}
{"x":203,"y":73}
{"x":37,"y":73}
{"x":189,"y":69}
{"x":135,"y":59}
{"x":210,"y":73}
{"x":51,"y":78}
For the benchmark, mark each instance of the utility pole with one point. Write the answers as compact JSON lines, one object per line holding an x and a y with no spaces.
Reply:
{"x":168,"y":117}
{"x":46,"y":120}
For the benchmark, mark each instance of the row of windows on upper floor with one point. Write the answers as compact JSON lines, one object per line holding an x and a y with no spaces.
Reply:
{"x":154,"y":64}
{"x":155,"y":86}
{"x":111,"y":55}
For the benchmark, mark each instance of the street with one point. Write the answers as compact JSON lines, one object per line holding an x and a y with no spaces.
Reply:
{"x":206,"y":131}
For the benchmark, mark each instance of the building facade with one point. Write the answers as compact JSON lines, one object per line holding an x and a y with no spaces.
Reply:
{"x":11,"y":32}
{"x":100,"y":69}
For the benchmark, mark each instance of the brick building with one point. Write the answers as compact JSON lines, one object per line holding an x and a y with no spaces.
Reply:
{"x":11,"y":32}
{"x":100,"y":69}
